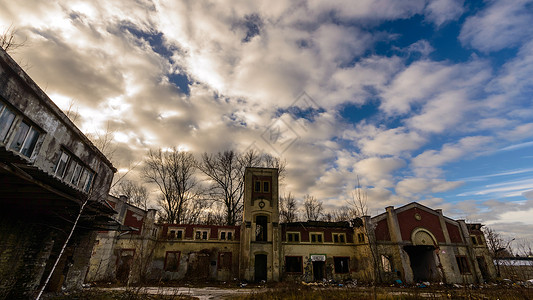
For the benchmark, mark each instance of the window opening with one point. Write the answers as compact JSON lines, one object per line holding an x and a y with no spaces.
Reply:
{"x":293,"y":264}
{"x":6,"y":120}
{"x":261,"y":228}
{"x":341,"y":264}
{"x":172,"y":261}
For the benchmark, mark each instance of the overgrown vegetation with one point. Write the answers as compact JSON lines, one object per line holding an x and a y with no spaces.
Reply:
{"x":131,"y":294}
{"x":382,"y":293}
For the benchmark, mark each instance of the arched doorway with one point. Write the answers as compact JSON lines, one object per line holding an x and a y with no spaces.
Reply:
{"x":422,"y":256}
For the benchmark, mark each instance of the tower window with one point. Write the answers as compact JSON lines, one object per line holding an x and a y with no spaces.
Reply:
{"x":261,"y":229}
{"x":257,"y":186}
{"x":266,"y":186}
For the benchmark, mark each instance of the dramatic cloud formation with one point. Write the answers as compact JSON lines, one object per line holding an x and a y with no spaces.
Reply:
{"x":425,"y":101}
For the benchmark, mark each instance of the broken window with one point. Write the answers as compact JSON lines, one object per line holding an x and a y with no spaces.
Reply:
{"x":172,"y":235}
{"x":293,"y":237}
{"x":341,"y":264}
{"x":86,"y":179}
{"x":386,"y":263}
{"x":462,"y":263}
{"x":76,"y":173}
{"x":293,"y":264}
{"x":6,"y":120}
{"x":261,"y":228}
{"x":61,"y":166}
{"x":172,"y":261}
{"x":361,"y":237}
{"x":224,"y":260}
{"x":25,"y":139}
{"x":316,"y":237}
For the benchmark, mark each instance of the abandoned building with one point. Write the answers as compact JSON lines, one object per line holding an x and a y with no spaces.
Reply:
{"x":411,"y":243}
{"x":48,"y":170}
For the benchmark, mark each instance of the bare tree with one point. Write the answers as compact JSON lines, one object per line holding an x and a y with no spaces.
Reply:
{"x":226,"y":171}
{"x":288,"y":208}
{"x":312,"y":208}
{"x":340,"y":214}
{"x":104,"y":141}
{"x":8,"y":41}
{"x":498,"y":246}
{"x":137,"y":193}
{"x":357,"y":203}
{"x":174,"y":174}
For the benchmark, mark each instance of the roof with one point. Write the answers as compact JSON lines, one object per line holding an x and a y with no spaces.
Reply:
{"x":6,"y":60}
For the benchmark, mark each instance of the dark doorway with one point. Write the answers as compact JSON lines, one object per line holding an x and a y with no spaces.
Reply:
{"x":261,"y":232}
{"x":318,"y":270}
{"x":125,"y":260}
{"x":423,"y":263}
{"x":198,"y":267}
{"x":260,"y":267}
{"x":483,"y":268}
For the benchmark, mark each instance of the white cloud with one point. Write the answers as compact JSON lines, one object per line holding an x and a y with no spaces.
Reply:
{"x":412,"y":187}
{"x":426,"y":162}
{"x":441,"y":11}
{"x":501,"y":25}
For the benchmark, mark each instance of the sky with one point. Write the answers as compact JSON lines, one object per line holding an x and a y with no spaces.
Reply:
{"x":426,"y":101}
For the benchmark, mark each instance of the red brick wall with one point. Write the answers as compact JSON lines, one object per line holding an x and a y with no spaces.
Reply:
{"x":455,"y":234}
{"x":132,"y":219}
{"x":429,"y":221}
{"x":382,"y":231}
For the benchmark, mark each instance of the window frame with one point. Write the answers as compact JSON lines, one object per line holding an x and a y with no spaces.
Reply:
{"x":317,"y":234}
{"x":293,"y":234}
{"x":7,"y":129}
{"x":361,"y":237}
{"x":207,"y":232}
{"x":166,"y":266}
{"x":341,"y":237}
{"x":23,"y":148}
{"x":65,"y":166}
{"x":347,"y":258}
{"x":299,"y":259}
{"x":266,"y":187}
{"x":229,"y":235}
{"x":462,"y":263}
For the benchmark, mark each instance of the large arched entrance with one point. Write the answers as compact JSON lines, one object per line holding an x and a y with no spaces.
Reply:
{"x":422,"y":256}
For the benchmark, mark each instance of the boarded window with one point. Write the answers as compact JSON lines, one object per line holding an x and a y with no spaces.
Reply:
{"x":341,"y":265}
{"x":172,"y":261}
{"x":224,"y":260}
{"x":462,"y":263}
{"x":293,"y":264}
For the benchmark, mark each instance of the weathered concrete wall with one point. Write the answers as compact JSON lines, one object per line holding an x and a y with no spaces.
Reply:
{"x":33,"y":225}
{"x":29,"y":102}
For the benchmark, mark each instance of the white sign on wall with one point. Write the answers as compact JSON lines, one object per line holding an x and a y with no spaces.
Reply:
{"x":318,"y":258}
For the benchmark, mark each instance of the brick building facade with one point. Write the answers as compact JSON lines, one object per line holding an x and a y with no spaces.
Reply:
{"x":411,"y":243}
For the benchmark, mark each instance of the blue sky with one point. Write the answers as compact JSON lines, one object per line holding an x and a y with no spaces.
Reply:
{"x":426,"y":101}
